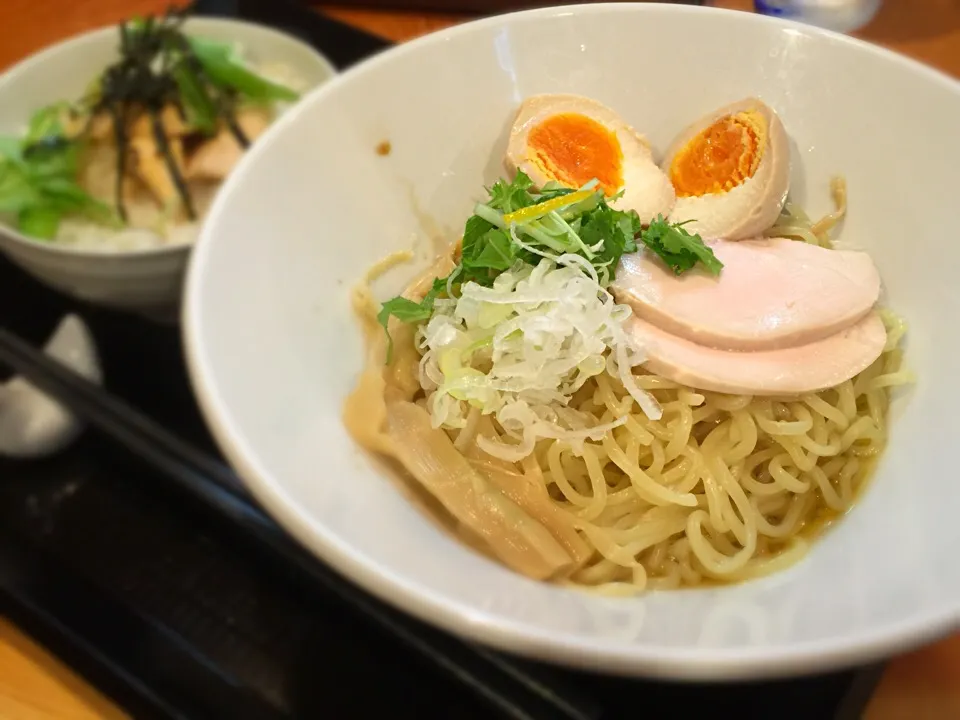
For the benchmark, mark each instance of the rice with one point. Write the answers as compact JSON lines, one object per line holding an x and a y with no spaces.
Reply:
{"x":86,"y":235}
{"x":148,"y":228}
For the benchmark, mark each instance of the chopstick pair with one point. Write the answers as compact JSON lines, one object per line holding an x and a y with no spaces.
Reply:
{"x":506,"y":684}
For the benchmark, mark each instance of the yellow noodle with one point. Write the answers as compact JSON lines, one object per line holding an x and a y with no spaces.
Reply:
{"x":664,"y":509}
{"x":784,"y":478}
{"x":721,"y":487}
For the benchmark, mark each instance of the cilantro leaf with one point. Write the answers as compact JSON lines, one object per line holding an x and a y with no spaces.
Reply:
{"x":405,"y":310}
{"x":678,"y":248}
{"x":474,"y":231}
{"x":487,"y":251}
{"x":614,"y":230}
{"x":497,"y":252}
{"x":409,"y":311}
{"x":508,"y":197}
{"x":586,"y":225}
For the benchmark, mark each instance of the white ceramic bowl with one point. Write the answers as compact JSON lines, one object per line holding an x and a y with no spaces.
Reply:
{"x":147,"y":280}
{"x":273,"y":347}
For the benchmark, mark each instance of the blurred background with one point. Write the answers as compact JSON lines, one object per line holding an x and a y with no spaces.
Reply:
{"x":928,"y":30}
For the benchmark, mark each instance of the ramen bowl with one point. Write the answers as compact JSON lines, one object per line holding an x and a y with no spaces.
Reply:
{"x":393,"y":154}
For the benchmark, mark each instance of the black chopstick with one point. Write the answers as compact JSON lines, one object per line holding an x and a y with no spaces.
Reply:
{"x":113,"y":416}
{"x":507,"y":684}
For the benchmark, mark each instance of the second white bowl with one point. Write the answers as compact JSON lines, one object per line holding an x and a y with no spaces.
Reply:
{"x":146,"y":280}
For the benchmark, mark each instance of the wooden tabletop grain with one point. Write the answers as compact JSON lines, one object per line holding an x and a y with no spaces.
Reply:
{"x":34,"y":685}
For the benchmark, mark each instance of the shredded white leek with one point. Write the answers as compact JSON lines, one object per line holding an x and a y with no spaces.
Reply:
{"x":520,"y":349}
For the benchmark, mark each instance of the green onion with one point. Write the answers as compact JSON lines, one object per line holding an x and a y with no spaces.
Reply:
{"x":224,"y":69}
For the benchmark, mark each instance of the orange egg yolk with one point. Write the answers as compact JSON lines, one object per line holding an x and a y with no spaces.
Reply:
{"x":721,"y":157}
{"x":573,"y":149}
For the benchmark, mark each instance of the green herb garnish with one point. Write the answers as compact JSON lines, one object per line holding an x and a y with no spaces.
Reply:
{"x":38,"y":177}
{"x":678,"y":248}
{"x":46,"y":123}
{"x":199,"y":108}
{"x":520,"y":225}
{"x":409,"y":311}
{"x":224,"y":68}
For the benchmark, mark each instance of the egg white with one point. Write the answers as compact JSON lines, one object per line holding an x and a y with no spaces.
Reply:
{"x":750,"y":208}
{"x":646,"y":188}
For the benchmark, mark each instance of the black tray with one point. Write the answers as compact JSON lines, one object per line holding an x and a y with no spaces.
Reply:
{"x":179,"y":598}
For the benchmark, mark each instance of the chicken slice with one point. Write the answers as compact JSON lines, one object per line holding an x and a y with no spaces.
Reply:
{"x":173,"y":124}
{"x":218,"y":156}
{"x":151,"y":167}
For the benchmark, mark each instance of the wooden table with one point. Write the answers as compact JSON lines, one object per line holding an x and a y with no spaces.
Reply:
{"x":924,"y":685}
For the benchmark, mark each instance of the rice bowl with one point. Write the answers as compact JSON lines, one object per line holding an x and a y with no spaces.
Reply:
{"x":134,"y":268}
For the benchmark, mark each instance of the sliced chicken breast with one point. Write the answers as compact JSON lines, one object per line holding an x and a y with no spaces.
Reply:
{"x":801,"y":369}
{"x":772,"y":293}
{"x":218,"y":156}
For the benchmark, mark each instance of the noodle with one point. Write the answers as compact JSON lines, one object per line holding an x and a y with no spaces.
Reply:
{"x":794,"y":223}
{"x":735,"y":505}
{"x":719,"y":488}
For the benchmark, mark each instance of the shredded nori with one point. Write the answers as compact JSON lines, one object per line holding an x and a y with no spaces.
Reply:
{"x":142,"y":80}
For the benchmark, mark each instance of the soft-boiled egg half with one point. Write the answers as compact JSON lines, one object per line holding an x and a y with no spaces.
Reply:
{"x":572,"y":140}
{"x":731,"y":171}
